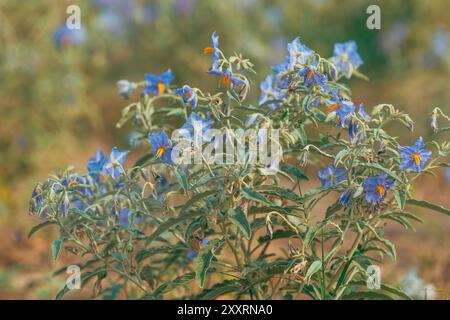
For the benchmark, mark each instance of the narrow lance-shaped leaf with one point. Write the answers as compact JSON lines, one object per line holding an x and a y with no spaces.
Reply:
{"x":203,"y":261}
{"x":252,"y":194}
{"x":56,"y":248}
{"x":428,"y":205}
{"x":238,"y":217}
{"x":313,"y":268}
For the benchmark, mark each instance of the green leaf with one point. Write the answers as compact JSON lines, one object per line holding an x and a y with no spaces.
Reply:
{"x":428,"y":205}
{"x":294,"y":171}
{"x":118,"y":256}
{"x":165,"y":226}
{"x":170,"y":285}
{"x":312,"y":231}
{"x":39,"y":226}
{"x":443,"y":129}
{"x":234,"y":96}
{"x":182,"y":179}
{"x":101,"y":272}
{"x":56,"y":247}
{"x":62,"y":292}
{"x":143,"y":160}
{"x":387,"y":288}
{"x":379,"y":167}
{"x":366,"y":295}
{"x":238,"y":217}
{"x":302,"y":135}
{"x":278,"y":234}
{"x":199,"y":223}
{"x":341,"y":154}
{"x":280,"y":192}
{"x":220,"y":289}
{"x":146,"y":253}
{"x":313,"y":268}
{"x":203,"y":261}
{"x":112,"y":292}
{"x":395,"y":291}
{"x":390,"y":246}
{"x":196,"y":198}
{"x":400,"y":198}
{"x":252,"y":194}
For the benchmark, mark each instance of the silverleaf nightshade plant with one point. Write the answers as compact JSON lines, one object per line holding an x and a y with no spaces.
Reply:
{"x":159,"y":230}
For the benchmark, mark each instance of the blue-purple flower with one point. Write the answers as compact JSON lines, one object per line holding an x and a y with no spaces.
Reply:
{"x":376,"y":187}
{"x":271,"y":91}
{"x":342,"y":107}
{"x":298,"y":54}
{"x":64,"y":204}
{"x":124,"y":218}
{"x":157,"y":84}
{"x":96,"y":163}
{"x":345,"y":196}
{"x":226,"y":77}
{"x":65,"y":37}
{"x":160,"y":146}
{"x":346,"y":58}
{"x":330,"y":176}
{"x":353,"y":129}
{"x":311,"y":76}
{"x":188,"y":95}
{"x":37,"y":201}
{"x":213,"y":50}
{"x":363,"y":115}
{"x":114,"y":166}
{"x":196,"y":123}
{"x":414,"y":157}
{"x":251,"y":119}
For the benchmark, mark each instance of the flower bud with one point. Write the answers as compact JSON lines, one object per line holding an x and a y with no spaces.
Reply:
{"x":269,"y":228}
{"x":303,"y":161}
{"x":434,"y":124}
{"x":126,"y":88}
{"x":63,"y":209}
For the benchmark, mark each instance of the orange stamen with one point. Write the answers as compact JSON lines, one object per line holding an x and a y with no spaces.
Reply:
{"x":161,"y":87}
{"x":310,"y":74}
{"x":187,"y":94}
{"x":381,"y":190}
{"x":226,"y":80}
{"x":416,"y":157}
{"x":208,"y":50}
{"x":333,"y":107}
{"x":160,"y":152}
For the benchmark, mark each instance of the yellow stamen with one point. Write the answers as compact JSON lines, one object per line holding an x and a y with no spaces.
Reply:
{"x":310,"y":74}
{"x":225,"y":80}
{"x":208,"y":50}
{"x":381,"y":190}
{"x":333,"y":107}
{"x":161,"y":87}
{"x":416,"y":157}
{"x":160,"y":152}
{"x":344,"y":57}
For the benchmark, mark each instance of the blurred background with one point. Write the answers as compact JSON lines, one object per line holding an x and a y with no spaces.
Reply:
{"x":59,"y":102}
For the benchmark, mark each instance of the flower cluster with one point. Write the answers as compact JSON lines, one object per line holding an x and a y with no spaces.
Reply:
{"x":202,"y":220}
